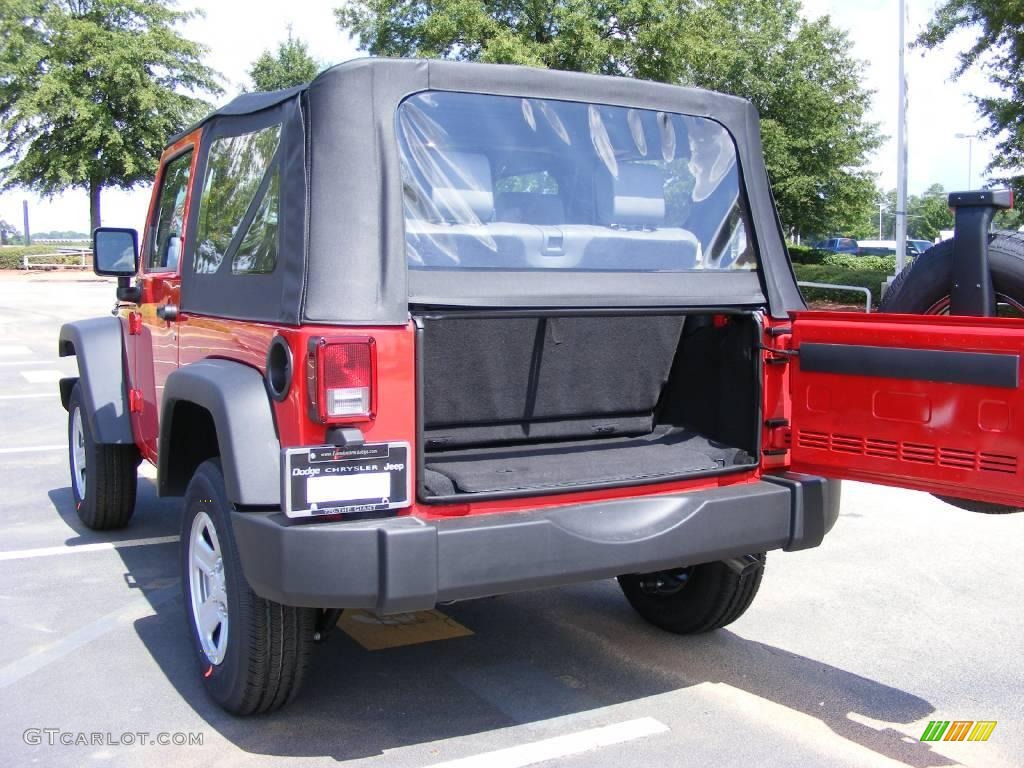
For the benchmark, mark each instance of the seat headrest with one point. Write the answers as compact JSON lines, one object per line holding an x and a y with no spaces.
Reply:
{"x":635,"y":197}
{"x":530,"y":208}
{"x":462,"y":187}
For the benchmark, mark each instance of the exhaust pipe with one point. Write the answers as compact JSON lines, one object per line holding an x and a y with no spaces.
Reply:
{"x":744,"y":565}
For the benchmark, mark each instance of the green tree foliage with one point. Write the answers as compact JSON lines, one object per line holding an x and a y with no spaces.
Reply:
{"x":291,"y":65}
{"x":999,"y":50}
{"x":798,"y":73}
{"x":927,"y":213}
{"x":91,"y":89}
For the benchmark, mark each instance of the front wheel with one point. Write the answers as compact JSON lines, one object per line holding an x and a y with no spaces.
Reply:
{"x":103,"y":476}
{"x":252,"y":653}
{"x":696,"y":599}
{"x":923,"y":289}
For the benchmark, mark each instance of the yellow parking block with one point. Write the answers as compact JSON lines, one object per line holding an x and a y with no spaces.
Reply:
{"x":376,"y":633}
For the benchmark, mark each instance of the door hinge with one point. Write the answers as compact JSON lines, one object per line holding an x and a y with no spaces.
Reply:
{"x":780,"y":437}
{"x":134,"y":323}
{"x":135,"y":401}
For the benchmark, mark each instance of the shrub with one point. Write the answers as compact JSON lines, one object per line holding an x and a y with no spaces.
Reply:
{"x":801,"y":254}
{"x":11,"y":255}
{"x":865,"y":277}
{"x":860,"y":263}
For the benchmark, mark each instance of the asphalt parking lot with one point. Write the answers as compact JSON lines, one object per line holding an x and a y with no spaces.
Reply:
{"x":911,"y":611}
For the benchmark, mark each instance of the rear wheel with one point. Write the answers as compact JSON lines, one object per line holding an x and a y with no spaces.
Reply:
{"x":923,"y":289}
{"x":252,"y":653}
{"x":696,"y":599}
{"x":103,"y":476}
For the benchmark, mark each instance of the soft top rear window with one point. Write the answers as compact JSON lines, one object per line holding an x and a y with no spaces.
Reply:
{"x":509,"y":183}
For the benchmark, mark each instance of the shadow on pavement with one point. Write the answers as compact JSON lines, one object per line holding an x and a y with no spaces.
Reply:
{"x":534,"y":656}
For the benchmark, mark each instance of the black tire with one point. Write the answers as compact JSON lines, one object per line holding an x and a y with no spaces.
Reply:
{"x":104,"y":490}
{"x":268,"y":645}
{"x":926,"y":282}
{"x":710,"y":596}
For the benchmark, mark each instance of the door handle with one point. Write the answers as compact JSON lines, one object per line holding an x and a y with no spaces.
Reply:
{"x":167,"y":312}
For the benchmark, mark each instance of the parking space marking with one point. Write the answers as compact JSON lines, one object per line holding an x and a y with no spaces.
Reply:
{"x":138,"y":606}
{"x":32,"y":396}
{"x":42,"y":377}
{"x":561,"y":746}
{"x":10,"y":350}
{"x":74,"y":549}
{"x":27,"y":362}
{"x":35,"y":449}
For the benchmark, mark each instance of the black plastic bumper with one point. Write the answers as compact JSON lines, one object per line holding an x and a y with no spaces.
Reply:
{"x":407,"y":564}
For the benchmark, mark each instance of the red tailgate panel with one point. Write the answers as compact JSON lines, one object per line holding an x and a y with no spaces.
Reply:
{"x":932,"y":403}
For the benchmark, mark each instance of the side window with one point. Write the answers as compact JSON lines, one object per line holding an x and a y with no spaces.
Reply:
{"x":238,"y":208}
{"x":257,"y":253}
{"x":165,"y":240}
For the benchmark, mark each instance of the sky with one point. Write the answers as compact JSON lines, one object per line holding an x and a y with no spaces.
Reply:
{"x":235,"y":32}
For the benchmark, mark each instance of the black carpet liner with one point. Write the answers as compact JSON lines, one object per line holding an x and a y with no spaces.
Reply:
{"x":666,"y":451}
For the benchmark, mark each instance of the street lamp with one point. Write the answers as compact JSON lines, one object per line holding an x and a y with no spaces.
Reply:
{"x":970,"y":141}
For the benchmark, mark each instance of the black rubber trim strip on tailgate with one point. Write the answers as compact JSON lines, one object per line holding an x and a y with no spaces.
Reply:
{"x":953,"y":367}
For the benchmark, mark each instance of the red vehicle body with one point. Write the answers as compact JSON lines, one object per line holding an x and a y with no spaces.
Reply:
{"x":417,"y":277}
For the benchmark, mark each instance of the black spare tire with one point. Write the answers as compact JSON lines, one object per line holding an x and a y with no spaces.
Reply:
{"x":924,"y":286}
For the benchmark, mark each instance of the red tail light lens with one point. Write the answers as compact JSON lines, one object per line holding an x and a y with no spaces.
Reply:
{"x":341,"y":373}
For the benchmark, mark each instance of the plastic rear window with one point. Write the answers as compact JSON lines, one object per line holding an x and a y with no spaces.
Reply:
{"x":508,"y":183}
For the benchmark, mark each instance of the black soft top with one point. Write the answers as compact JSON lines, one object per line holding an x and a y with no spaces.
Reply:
{"x":342,"y":253}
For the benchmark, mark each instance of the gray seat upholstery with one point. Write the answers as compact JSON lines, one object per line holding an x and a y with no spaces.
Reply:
{"x":529,"y":208}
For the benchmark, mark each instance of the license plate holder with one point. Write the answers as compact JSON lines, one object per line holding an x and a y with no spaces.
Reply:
{"x":330,"y":480}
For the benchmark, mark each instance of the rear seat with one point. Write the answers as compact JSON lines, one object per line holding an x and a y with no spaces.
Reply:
{"x":505,"y":380}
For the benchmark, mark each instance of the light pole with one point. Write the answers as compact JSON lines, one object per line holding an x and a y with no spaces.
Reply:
{"x":901,"y":149}
{"x":970,"y":142}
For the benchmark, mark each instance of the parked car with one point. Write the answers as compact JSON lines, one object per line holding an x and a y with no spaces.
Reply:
{"x":837,"y":245}
{"x":425,"y":331}
{"x":884,"y":248}
{"x":921,"y":245}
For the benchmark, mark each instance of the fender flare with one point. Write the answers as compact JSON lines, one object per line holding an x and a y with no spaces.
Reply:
{"x":236,"y":397}
{"x":98,"y":346}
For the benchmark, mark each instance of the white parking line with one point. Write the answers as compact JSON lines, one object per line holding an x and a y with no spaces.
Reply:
{"x":74,"y":549}
{"x":35,"y":449}
{"x":34,"y":395}
{"x":138,"y":606}
{"x":41,"y":377}
{"x":28,"y":362}
{"x":14,"y":349}
{"x":560,"y":746}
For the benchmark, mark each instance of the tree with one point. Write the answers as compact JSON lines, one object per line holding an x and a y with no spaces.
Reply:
{"x":999,"y":50}
{"x":90,"y":90}
{"x":798,"y":73}
{"x":928,"y":213}
{"x":291,"y":65}
{"x":6,"y":231}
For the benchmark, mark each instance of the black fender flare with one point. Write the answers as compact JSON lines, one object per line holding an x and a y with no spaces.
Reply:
{"x":235,"y":395}
{"x":98,"y":346}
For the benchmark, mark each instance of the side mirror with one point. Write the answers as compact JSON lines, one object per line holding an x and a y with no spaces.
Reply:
{"x":115,"y":252}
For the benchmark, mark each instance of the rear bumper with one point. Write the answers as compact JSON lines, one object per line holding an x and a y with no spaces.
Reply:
{"x":406,"y":564}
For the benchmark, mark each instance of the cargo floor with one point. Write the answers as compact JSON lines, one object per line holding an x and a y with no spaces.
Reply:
{"x":665,"y":452}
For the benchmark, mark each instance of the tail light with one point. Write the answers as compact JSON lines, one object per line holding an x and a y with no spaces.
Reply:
{"x":340,"y":379}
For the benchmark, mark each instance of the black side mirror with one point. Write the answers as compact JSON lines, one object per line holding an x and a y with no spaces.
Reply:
{"x":115,"y":252}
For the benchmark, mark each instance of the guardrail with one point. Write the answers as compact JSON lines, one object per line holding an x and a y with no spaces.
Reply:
{"x":84,"y":254}
{"x":837,"y":287}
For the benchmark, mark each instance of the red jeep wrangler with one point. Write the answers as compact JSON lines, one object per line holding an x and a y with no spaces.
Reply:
{"x":422,"y":331}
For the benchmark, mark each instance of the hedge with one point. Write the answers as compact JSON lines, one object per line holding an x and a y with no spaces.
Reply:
{"x":870,"y":276}
{"x":11,"y":256}
{"x":801,"y":254}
